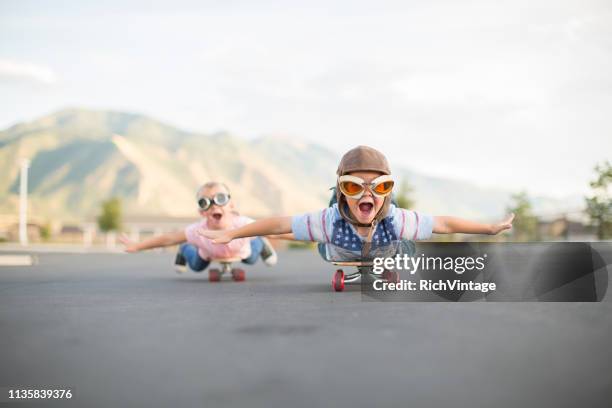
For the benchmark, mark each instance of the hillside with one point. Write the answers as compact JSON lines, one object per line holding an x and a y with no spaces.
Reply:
{"x":81,"y":157}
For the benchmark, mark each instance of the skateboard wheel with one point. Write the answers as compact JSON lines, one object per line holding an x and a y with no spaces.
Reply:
{"x":214,"y":275}
{"x":238,"y":274}
{"x":391,"y":276}
{"x":338,"y":281}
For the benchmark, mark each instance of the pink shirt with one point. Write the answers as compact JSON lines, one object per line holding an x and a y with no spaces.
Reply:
{"x":238,"y":248}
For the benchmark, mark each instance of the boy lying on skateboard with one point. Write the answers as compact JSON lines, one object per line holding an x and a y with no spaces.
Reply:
{"x":363,"y":216}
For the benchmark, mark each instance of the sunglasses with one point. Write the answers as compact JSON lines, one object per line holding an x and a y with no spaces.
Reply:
{"x":354,"y":187}
{"x":219,"y":199}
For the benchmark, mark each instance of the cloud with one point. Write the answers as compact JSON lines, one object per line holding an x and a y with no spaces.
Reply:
{"x":13,"y":70}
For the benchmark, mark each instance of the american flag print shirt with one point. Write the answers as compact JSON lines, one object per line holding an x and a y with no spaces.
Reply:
{"x":327,"y":226}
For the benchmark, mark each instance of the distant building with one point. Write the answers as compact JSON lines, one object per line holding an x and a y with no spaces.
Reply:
{"x":87,"y":232}
{"x":566,"y":228}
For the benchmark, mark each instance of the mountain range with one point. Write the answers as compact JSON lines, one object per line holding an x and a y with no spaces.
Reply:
{"x":79,"y":157}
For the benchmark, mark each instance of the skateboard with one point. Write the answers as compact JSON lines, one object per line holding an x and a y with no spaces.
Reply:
{"x":364,"y":265}
{"x":364,"y":270}
{"x":215,"y":274}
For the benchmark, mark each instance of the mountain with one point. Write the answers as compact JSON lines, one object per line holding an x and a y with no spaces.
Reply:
{"x":82,"y":157}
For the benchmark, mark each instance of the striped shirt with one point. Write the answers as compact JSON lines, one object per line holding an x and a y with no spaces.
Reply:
{"x":327,"y":226}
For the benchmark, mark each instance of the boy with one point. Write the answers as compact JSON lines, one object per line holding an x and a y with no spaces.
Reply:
{"x":218,"y":213}
{"x":363,"y":216}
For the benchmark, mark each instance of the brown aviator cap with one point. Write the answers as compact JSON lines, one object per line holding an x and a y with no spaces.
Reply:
{"x":361,"y":158}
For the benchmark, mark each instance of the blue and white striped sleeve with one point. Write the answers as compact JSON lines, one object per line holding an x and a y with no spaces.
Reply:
{"x":412,"y":225}
{"x":314,"y":226}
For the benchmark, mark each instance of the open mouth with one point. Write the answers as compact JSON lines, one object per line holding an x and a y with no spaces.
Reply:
{"x":217,"y":216}
{"x":366,"y":208}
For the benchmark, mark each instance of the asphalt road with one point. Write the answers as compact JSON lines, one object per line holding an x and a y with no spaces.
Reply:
{"x":126,"y":330}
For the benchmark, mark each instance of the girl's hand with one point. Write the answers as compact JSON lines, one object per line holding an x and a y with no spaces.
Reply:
{"x":502,"y":226}
{"x":216,"y":236}
{"x":130,"y":246}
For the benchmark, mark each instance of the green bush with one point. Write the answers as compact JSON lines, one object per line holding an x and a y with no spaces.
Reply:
{"x":110,"y":219}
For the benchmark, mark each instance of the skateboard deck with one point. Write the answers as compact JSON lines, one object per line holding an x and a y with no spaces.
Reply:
{"x":352,"y":263}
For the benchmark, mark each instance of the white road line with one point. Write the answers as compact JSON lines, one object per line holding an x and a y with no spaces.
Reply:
{"x":16,"y":260}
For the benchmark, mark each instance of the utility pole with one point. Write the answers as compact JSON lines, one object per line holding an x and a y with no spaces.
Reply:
{"x":23,"y":202}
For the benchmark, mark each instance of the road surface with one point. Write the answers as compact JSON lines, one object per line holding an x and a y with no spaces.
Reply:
{"x":126,"y":330}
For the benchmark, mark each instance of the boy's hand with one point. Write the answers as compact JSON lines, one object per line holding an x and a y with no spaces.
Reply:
{"x":130,"y":246}
{"x":216,"y":236}
{"x":502,"y":226}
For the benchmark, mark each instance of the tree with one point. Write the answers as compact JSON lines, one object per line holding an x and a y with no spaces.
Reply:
{"x":525,"y":225}
{"x":404,"y":196}
{"x":110,"y":219}
{"x":599,"y":205}
{"x":45,"y":232}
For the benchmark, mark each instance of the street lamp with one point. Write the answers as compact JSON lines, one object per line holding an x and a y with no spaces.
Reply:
{"x":23,"y":202}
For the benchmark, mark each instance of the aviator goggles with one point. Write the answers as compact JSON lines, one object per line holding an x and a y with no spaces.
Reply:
{"x":219,"y":199}
{"x":354,"y":187}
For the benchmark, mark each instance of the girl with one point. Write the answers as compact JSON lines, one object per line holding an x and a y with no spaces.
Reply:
{"x":218,"y":213}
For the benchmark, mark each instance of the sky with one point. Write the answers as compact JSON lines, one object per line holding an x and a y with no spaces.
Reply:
{"x":513,"y":94}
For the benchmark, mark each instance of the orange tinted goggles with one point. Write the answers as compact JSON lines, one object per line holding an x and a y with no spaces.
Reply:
{"x":354,"y":187}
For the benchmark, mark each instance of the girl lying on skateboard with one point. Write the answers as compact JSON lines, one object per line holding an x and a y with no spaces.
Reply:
{"x":363,"y":216}
{"x":218,"y":213}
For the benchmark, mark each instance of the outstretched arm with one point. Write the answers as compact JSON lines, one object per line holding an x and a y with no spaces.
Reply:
{"x":286,"y":237}
{"x":266,"y":226}
{"x":163,"y":240}
{"x":449,"y":225}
